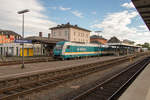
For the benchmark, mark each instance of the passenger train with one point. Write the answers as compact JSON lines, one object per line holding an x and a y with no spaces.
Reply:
{"x":66,"y":49}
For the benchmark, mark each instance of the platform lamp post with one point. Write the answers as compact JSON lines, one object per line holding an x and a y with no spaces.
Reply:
{"x":22,"y":12}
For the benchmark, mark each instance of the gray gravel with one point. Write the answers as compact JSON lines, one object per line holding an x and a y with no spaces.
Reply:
{"x":14,"y":70}
{"x":60,"y":92}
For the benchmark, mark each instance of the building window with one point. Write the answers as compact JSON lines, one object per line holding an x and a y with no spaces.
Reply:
{"x":17,"y":51}
{"x":87,"y":35}
{"x":59,"y":33}
{"x":54,"y":33}
{"x":7,"y":36}
{"x":74,"y":33}
{"x":66,"y":33}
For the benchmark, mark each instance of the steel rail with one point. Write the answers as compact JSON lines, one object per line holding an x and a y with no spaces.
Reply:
{"x":58,"y":79}
{"x":100,"y":86}
{"x":59,"y":76}
{"x":6,"y":63}
{"x":46,"y":72}
{"x":80,"y":68}
{"x":127,"y":83}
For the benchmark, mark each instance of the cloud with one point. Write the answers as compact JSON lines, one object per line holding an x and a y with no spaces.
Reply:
{"x":144,"y":27}
{"x":94,"y":12}
{"x":35,"y":20}
{"x":96,"y":21}
{"x":120,"y":19}
{"x":128,"y":5}
{"x":77,"y":13}
{"x":60,"y":8}
{"x":117,"y":24}
{"x":64,"y":9}
{"x":54,"y":8}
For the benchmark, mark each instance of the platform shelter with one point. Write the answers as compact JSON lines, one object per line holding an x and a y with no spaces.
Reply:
{"x":47,"y":44}
{"x":124,"y":49}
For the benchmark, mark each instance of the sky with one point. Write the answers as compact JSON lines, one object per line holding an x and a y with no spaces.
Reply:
{"x":112,"y":17}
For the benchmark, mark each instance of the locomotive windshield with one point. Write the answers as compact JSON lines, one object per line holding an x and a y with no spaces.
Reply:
{"x":58,"y":47}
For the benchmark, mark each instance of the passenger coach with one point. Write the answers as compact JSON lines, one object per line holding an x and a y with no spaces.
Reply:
{"x":65,"y":50}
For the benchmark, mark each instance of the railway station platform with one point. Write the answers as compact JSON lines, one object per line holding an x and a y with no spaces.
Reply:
{"x":20,"y":58}
{"x":10,"y":71}
{"x":140,"y":88}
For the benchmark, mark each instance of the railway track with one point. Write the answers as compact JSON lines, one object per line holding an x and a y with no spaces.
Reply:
{"x":113,"y":87}
{"x":15,"y":62}
{"x":43,"y":59}
{"x":17,"y":86}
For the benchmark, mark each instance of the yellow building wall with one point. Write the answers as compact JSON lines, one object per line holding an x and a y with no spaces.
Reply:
{"x":31,"y":52}
{"x":27,"y":52}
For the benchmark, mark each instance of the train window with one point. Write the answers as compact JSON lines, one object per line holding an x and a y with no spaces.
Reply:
{"x":58,"y":47}
{"x":68,"y":47}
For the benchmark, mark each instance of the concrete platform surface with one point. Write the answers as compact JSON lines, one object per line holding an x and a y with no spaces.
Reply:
{"x":15,"y":70}
{"x":140,"y":88}
{"x":20,"y":58}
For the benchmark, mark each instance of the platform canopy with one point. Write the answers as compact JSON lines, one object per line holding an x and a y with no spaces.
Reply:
{"x":123,"y":45}
{"x":143,"y":7}
{"x":45,"y":40}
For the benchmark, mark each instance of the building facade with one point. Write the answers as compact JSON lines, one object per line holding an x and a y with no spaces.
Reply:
{"x":10,"y":49}
{"x":71,"y":33}
{"x":128,"y":42}
{"x":7,"y":45}
{"x":7,"y":36}
{"x":98,"y":39}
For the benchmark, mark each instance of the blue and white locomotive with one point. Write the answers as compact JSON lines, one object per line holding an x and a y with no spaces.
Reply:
{"x":66,"y":49}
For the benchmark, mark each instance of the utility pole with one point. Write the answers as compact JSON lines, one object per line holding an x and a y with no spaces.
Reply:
{"x":22,"y":12}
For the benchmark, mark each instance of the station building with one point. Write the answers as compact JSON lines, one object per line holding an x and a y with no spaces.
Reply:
{"x":98,"y":39}
{"x":123,"y":48}
{"x":71,"y":33}
{"x":31,"y":49}
{"x":7,"y":45}
{"x":7,"y":36}
{"x":43,"y":46}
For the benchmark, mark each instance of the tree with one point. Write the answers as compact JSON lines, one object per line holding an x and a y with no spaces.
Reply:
{"x":139,"y":45}
{"x":146,"y":45}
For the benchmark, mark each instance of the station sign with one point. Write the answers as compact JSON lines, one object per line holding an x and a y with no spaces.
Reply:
{"x":23,"y":41}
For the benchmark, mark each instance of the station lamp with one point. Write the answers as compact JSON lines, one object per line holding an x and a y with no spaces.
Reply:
{"x":22,"y":12}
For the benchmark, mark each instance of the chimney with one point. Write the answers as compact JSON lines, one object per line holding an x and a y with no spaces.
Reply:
{"x":68,"y":23}
{"x":40,"y":34}
{"x":76,"y":25}
{"x":49,"y":35}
